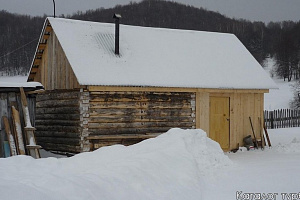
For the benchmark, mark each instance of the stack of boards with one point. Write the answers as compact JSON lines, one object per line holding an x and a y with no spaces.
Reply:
{"x":15,"y":137}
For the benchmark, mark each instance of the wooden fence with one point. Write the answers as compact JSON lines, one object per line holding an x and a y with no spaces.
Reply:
{"x":283,"y":118}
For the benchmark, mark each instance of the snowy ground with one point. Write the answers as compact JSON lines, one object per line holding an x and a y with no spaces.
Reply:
{"x":181,"y":164}
{"x":270,"y":172}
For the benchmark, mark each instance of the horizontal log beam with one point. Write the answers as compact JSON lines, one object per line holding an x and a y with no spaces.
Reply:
{"x":58,"y":116}
{"x":139,"y":97}
{"x":58,"y":110}
{"x":59,"y":95}
{"x":174,"y":89}
{"x":130,"y":119}
{"x":57,"y":128}
{"x":58,"y":103}
{"x":128,"y":131}
{"x":61,"y":147}
{"x":58,"y":140}
{"x":57,"y":122}
{"x":56,"y":134}
{"x":140,"y":112}
{"x":117,"y":137}
{"x":139,"y":125}
{"x":139,"y":105}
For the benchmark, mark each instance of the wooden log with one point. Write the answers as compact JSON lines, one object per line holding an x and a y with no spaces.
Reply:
{"x":141,"y":112}
{"x":10,"y":138}
{"x":58,"y":116}
{"x":61,"y":147}
{"x":58,"y":95}
{"x":125,"y":142}
{"x":18,"y":131}
{"x":140,"y":125}
{"x":139,"y":105}
{"x":56,"y":134}
{"x":58,"y":110}
{"x":58,"y":103}
{"x":140,"y":94}
{"x":128,"y":130}
{"x":51,"y":122}
{"x":58,"y":140}
{"x":139,"y":98}
{"x":132,"y":118}
{"x":55,"y":128}
{"x":131,"y":136}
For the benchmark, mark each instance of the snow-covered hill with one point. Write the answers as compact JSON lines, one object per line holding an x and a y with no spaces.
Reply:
{"x":278,"y":98}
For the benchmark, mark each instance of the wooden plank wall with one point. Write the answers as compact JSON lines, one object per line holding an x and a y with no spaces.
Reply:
{"x":6,"y":100}
{"x":55,"y":71}
{"x":117,"y":113}
{"x":243,"y":106}
{"x":58,"y":120}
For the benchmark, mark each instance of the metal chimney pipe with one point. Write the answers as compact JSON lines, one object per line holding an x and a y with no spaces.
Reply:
{"x":117,"y":18}
{"x":53,"y":8}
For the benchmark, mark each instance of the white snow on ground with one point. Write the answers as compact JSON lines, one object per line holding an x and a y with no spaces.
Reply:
{"x":173,"y":166}
{"x":270,"y":172}
{"x":180,"y":164}
{"x":278,"y":98}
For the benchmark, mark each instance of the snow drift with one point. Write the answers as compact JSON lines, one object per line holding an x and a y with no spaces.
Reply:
{"x":175,"y":165}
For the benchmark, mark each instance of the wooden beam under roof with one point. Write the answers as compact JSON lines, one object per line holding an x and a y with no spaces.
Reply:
{"x":34,"y":70}
{"x":42,"y":46}
{"x":46,"y":36}
{"x":38,"y":54}
{"x":37,"y":62}
{"x":48,"y":28}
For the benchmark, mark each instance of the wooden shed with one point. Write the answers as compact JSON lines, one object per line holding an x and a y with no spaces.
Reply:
{"x":161,"y":78}
{"x":10,"y":96}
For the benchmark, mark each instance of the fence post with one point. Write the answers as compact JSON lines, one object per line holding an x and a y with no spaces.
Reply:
{"x":271,"y":119}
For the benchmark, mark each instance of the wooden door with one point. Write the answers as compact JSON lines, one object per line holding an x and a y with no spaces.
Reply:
{"x":219,"y":121}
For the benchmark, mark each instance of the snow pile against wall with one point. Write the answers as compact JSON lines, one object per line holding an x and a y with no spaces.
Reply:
{"x":175,"y":165}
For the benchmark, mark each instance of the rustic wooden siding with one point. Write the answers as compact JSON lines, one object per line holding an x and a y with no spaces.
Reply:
{"x":7,"y":99}
{"x":58,"y":120}
{"x":243,"y":106}
{"x":117,"y":113}
{"x":54,"y":70}
{"x":65,"y":119}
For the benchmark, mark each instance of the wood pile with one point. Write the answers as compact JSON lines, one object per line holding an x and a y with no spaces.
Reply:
{"x":20,"y":141}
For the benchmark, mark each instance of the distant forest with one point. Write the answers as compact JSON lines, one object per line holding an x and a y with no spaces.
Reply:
{"x":279,"y":40}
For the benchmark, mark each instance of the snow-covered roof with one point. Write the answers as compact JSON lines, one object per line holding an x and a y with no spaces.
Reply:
{"x":158,"y":57}
{"x":11,"y":82}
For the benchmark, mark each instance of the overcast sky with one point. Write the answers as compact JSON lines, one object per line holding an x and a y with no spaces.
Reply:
{"x":254,"y":10}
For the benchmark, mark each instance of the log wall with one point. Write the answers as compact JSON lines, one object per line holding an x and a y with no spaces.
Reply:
{"x":76,"y":120}
{"x":137,"y":113}
{"x":58,"y":120}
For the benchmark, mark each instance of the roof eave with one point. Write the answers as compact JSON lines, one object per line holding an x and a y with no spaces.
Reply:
{"x":40,"y":46}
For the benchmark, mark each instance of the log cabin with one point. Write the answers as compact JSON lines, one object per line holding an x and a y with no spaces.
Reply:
{"x":10,"y":96}
{"x":109,"y":83}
